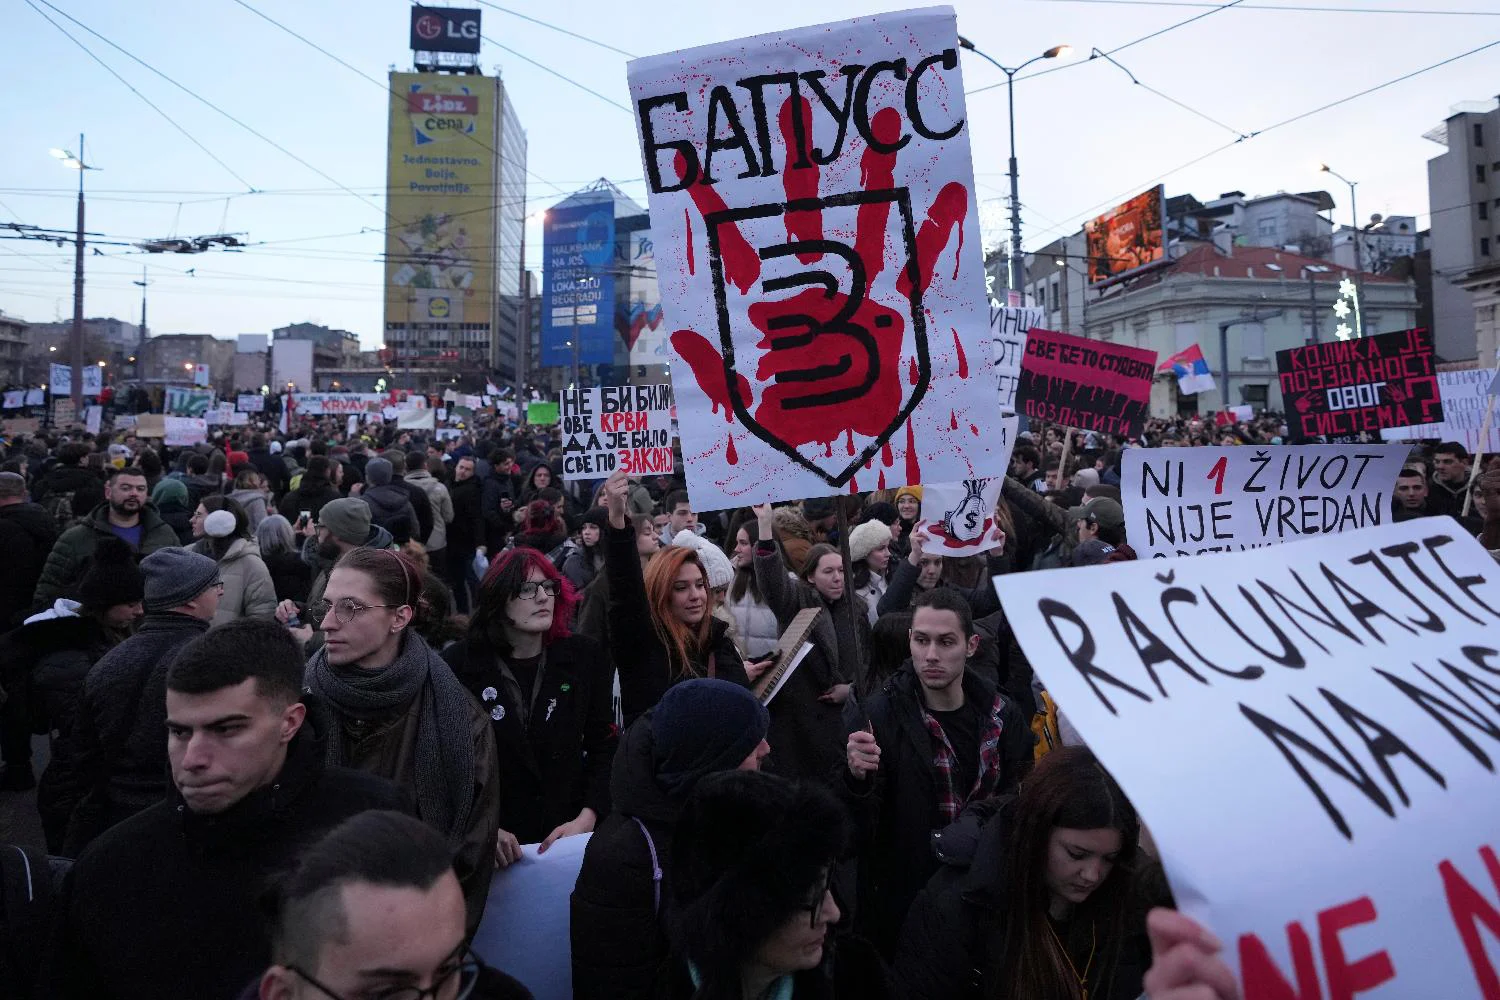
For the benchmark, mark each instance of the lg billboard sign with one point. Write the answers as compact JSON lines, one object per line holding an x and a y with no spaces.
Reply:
{"x":444,"y":29}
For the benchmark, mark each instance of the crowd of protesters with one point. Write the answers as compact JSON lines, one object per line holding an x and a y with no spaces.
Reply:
{"x":303,"y":694}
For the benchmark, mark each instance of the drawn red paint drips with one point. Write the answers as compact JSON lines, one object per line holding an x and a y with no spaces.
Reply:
{"x":877,"y":172}
{"x":947,"y":212}
{"x":882,"y":480}
{"x":952,"y":421}
{"x":687,"y":225}
{"x":708,"y":370}
{"x":853,"y":484}
{"x":886,"y":457}
{"x":973,"y":430}
{"x":827,"y":449}
{"x":741,"y":262}
{"x":913,"y":464}
{"x":963,"y":359}
{"x":911,"y":372}
{"x":730,"y":455}
{"x":800,"y":183}
{"x":849,"y":439}
{"x":958,"y":255}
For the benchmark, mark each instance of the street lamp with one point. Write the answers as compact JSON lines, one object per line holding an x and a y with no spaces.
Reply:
{"x":1056,"y":52}
{"x":1359,"y":248}
{"x":76,"y":162}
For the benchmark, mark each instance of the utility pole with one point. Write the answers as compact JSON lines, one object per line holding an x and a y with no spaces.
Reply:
{"x":78,"y":293}
{"x":140,"y":346}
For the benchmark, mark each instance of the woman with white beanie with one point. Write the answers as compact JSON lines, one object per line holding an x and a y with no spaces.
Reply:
{"x":248,"y":590}
{"x":870,"y":559}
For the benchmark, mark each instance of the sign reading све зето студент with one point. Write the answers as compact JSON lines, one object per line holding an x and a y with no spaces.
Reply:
{"x":1188,"y":501}
{"x":1312,"y":731}
{"x":1349,"y":387}
{"x":626,"y":428}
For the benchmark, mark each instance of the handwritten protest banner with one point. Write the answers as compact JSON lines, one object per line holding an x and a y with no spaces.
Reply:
{"x":1358,"y":386}
{"x":961,"y":516}
{"x":1187,"y":501}
{"x":61,"y":380}
{"x":1311,"y":732}
{"x":617,"y":427}
{"x":14,"y":399}
{"x":188,"y":402}
{"x":1091,"y":385}
{"x":317,"y":404}
{"x":250,"y":402}
{"x":182,"y":431}
{"x":1465,"y":396}
{"x":1008,"y":328}
{"x":818,"y":255}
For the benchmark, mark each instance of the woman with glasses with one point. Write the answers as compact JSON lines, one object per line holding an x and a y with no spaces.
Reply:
{"x":548,"y":696}
{"x":754,"y":912}
{"x":400,"y":713}
{"x":661,"y":622}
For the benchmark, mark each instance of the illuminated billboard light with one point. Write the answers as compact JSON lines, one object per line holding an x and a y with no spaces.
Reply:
{"x":1128,"y":238}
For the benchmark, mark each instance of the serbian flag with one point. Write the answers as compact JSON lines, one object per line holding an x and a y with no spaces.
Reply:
{"x":1191,"y":371}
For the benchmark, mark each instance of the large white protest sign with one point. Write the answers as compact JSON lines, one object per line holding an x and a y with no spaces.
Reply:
{"x":1311,"y":732}
{"x":1466,"y":398}
{"x":182,"y":431}
{"x":1187,"y":501}
{"x":250,"y":402}
{"x":617,"y":427}
{"x":416,"y":420}
{"x":317,"y":404}
{"x":62,"y":380}
{"x":15,"y":399}
{"x":817,"y":249}
{"x":1008,"y":328}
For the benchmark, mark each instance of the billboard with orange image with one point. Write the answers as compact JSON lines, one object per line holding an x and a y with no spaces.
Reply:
{"x":1127,"y":238}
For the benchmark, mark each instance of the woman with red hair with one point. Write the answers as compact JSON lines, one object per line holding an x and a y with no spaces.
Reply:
{"x":661,"y":621}
{"x":548,"y":696}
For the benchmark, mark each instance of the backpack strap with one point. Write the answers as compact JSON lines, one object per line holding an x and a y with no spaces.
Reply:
{"x":655,"y":866}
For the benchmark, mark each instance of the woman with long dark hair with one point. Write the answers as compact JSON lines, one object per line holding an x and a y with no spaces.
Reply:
{"x":870,"y":559}
{"x":548,"y":694}
{"x":399,"y":712}
{"x":1054,"y":904}
{"x":755,"y":628}
{"x":661,"y":622}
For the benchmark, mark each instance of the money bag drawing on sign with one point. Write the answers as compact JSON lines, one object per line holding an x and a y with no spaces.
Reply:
{"x":966,"y":522}
{"x":963,"y":516}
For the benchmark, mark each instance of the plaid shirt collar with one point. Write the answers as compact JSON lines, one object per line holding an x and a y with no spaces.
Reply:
{"x":950,"y":804}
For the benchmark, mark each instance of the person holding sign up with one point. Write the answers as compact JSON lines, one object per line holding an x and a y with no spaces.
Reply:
{"x":661,"y":622}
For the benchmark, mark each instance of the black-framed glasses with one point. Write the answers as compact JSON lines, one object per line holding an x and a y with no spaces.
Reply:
{"x":345,"y":610}
{"x":456,"y":983}
{"x":815,"y":908}
{"x":529,"y":589}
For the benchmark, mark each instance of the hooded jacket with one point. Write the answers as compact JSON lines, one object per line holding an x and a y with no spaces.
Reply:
{"x":947,"y":943}
{"x":167,"y":903}
{"x":442,"y":508}
{"x":248,"y":590}
{"x":85,"y":485}
{"x":120,"y":757}
{"x":27,"y":534}
{"x":645,"y":666}
{"x":75,"y":547}
{"x":271,"y":467}
{"x":253,"y":502}
{"x":555,"y":755}
{"x":896,"y":810}
{"x":390,"y":508}
{"x":619,"y":940}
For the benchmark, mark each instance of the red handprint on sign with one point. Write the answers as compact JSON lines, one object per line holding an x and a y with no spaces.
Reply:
{"x":828,"y":356}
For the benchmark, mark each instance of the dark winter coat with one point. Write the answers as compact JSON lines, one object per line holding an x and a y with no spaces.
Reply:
{"x":311,"y":494}
{"x":498,"y":521}
{"x":902,"y":590}
{"x":179,"y":518}
{"x":271,"y":467}
{"x":167,"y":903}
{"x":896,"y":810}
{"x":201,"y":486}
{"x":290,"y":576}
{"x":75,"y":547}
{"x":554,"y":758}
{"x":851,"y":970}
{"x":949,"y":941}
{"x":619,"y":940}
{"x":466,"y":533}
{"x":85,"y":485}
{"x":390,"y":508}
{"x":27,"y":534}
{"x":421,"y":506}
{"x":645,"y":666}
{"x":120,"y":747}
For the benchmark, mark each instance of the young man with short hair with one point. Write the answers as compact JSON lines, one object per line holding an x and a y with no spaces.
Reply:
{"x":1411,"y":494}
{"x":935,"y":738}
{"x":166,"y":903}
{"x":126,"y":513}
{"x":680,"y":516}
{"x":1450,"y":479}
{"x":372,"y":909}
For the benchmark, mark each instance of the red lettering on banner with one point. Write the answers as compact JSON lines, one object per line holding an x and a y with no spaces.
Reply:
{"x":612,"y":422}
{"x":1470,"y":908}
{"x":1263,"y":979}
{"x":643,"y":461}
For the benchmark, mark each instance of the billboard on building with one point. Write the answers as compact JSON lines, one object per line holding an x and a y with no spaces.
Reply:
{"x":440,"y":195}
{"x":1127,"y":238}
{"x":444,"y":29}
{"x":578,"y":285}
{"x":638,"y":314}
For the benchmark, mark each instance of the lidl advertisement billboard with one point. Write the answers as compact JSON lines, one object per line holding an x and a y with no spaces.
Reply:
{"x":1127,"y":238}
{"x":440,"y":195}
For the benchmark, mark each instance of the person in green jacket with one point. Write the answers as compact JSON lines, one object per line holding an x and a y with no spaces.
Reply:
{"x":125,"y":513}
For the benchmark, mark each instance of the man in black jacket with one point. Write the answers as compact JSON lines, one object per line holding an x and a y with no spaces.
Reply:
{"x":465,"y":533}
{"x":618,"y":934}
{"x":319,"y":485}
{"x":414,"y":493}
{"x":67,"y":489}
{"x":27,"y":534}
{"x":390,"y":506}
{"x":935,"y":738}
{"x":166,"y":903}
{"x":119,"y":754}
{"x":268,"y":465}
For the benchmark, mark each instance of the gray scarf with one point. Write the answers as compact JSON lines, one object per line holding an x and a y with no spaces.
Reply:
{"x":445,"y":752}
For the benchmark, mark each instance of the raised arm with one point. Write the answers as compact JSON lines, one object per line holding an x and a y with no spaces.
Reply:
{"x":776,"y":587}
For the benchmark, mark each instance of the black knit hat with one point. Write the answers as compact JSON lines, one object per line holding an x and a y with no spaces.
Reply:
{"x":750,"y":851}
{"x":598,"y":517}
{"x":885,"y":513}
{"x":701,"y":726}
{"x":113,"y":578}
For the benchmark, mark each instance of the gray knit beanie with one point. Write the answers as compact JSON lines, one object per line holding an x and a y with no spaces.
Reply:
{"x":378,"y":472}
{"x":348,"y":518}
{"x":175,"y":576}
